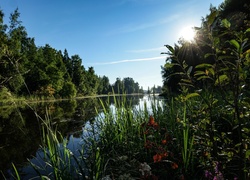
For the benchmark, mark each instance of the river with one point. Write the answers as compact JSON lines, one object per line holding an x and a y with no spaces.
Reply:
{"x":20,"y":126}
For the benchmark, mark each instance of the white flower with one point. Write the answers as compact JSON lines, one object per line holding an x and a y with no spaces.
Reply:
{"x":145,"y":169}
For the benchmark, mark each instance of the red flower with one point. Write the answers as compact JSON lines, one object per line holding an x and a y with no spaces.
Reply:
{"x":174,"y":165}
{"x":151,"y":121}
{"x":164,"y":141}
{"x":157,"y":158}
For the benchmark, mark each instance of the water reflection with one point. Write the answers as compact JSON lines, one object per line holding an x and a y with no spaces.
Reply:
{"x":20,"y":126}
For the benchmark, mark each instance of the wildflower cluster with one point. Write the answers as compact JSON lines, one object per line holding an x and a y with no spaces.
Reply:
{"x":217,"y":175}
{"x":158,"y":145}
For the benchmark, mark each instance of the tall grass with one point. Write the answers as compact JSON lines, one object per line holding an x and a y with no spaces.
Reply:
{"x":114,"y":145}
{"x":120,"y":138}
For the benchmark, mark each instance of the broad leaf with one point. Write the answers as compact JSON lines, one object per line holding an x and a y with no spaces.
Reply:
{"x":197,"y":73}
{"x":235,"y":44}
{"x":222,"y":79}
{"x":225,"y":57}
{"x":211,"y":18}
{"x":204,"y":65}
{"x":226,"y":23}
{"x":192,"y":95}
{"x":211,"y":70}
{"x":248,"y":30}
{"x":170,"y":48}
{"x":190,"y":69}
{"x":203,"y":77}
{"x":208,"y":55}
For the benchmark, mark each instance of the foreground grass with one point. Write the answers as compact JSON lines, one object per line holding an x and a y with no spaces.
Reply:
{"x":174,"y":139}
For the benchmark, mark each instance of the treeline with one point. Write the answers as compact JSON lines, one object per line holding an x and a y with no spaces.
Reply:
{"x":27,"y":69}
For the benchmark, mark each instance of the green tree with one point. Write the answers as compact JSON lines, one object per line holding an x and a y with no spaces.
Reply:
{"x":92,"y":81}
{"x":118,"y":86}
{"x":68,"y":64}
{"x":12,"y":52}
{"x":104,"y":85}
{"x":68,"y":90}
{"x":78,"y":73}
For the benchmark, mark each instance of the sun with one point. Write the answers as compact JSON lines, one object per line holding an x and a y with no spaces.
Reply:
{"x":187,"y":33}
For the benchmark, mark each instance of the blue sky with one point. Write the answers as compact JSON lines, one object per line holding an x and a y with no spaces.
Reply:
{"x":119,"y":38}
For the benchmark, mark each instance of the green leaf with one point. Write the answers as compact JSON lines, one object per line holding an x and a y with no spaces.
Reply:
{"x":190,"y":69}
{"x":186,"y":80}
{"x":247,"y":154}
{"x":192,"y":95}
{"x":197,"y":73}
{"x":225,"y":23}
{"x":235,"y":44}
{"x":222,"y":78}
{"x":170,"y":48}
{"x":207,"y":55}
{"x":211,"y":70}
{"x":17,"y":174}
{"x":225,"y":57}
{"x":248,"y":30}
{"x":211,"y":18}
{"x":204,"y":65}
{"x":203,"y":77}
{"x":216,"y":40}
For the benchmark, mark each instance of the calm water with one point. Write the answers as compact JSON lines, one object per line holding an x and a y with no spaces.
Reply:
{"x":20,"y":127}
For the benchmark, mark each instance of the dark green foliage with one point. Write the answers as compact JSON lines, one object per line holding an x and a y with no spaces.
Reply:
{"x":211,"y":75}
{"x":104,"y":85}
{"x":127,"y":85}
{"x":44,"y":71}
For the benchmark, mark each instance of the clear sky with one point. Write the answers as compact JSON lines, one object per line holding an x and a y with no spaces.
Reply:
{"x":119,"y":38}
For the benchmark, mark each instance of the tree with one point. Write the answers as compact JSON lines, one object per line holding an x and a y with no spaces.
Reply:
{"x":104,"y":85}
{"x":78,"y":73}
{"x":12,"y":60}
{"x":118,"y":86}
{"x":92,"y":81}
{"x":68,"y":64}
{"x":68,"y":90}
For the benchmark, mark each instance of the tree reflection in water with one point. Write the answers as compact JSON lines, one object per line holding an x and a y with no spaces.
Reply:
{"x":20,"y":126}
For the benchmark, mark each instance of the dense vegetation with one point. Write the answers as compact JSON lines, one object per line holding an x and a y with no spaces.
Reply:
{"x":46,"y":72}
{"x":202,"y":129}
{"x":210,"y":77}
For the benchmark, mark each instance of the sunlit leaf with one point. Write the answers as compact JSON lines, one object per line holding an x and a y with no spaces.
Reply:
{"x":247,"y":154}
{"x":248,"y":30}
{"x":225,"y":23}
{"x":203,"y":77}
{"x":192,"y":95}
{"x":222,"y":79}
{"x":211,"y":18}
{"x":197,"y":73}
{"x":235,"y":44}
{"x":211,"y":70}
{"x":204,"y":65}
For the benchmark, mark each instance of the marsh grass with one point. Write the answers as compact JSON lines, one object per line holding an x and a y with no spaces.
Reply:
{"x":114,"y":144}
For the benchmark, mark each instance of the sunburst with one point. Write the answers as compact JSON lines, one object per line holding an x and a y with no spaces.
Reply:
{"x":187,"y":33}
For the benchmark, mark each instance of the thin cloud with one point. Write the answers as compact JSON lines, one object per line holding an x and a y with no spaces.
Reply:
{"x":147,"y":50}
{"x":136,"y":27}
{"x":131,"y":60}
